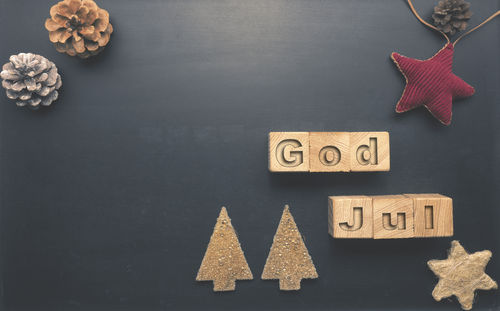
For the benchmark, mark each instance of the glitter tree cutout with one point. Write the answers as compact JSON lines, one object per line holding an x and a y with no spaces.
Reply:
{"x":288,"y":260}
{"x":224,"y":261}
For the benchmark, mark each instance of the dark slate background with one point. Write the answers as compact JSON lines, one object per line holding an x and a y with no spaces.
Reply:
{"x":109,"y":197}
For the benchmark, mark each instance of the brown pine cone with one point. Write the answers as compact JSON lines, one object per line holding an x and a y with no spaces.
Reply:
{"x":79,"y":27}
{"x":451,"y":16}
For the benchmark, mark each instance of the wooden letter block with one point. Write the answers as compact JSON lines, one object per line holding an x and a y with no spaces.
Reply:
{"x":289,"y":151}
{"x":329,"y":152}
{"x":392,"y":217}
{"x":433,"y":215}
{"x":370,"y":151}
{"x":350,"y":217}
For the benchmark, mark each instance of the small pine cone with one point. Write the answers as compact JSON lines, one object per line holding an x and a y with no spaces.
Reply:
{"x":451,"y":16}
{"x":79,"y":27}
{"x":31,"y":80}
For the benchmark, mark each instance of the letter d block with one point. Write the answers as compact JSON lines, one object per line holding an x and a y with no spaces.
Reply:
{"x":433,"y":215}
{"x":370,"y":151}
{"x":289,"y":151}
{"x":350,"y":217}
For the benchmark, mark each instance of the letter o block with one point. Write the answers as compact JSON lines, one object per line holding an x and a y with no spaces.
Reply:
{"x":329,"y":152}
{"x":289,"y":151}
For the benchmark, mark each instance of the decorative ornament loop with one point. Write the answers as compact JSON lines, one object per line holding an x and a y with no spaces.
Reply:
{"x":446,"y":37}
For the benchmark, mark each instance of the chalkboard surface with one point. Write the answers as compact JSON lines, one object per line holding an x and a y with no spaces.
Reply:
{"x":109,"y":197}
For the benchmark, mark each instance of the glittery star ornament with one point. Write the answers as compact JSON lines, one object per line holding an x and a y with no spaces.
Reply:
{"x":224,"y":261}
{"x":288,"y":260}
{"x":431,"y":83}
{"x":461,"y":275}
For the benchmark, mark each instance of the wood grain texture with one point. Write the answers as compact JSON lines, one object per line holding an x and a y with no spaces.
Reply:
{"x":329,"y":152}
{"x":113,"y":191}
{"x":370,"y":151}
{"x":392,"y":217}
{"x":289,"y":151}
{"x":350,"y":217}
{"x":433,"y":215}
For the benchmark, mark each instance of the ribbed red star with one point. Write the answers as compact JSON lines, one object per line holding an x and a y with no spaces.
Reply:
{"x":431,"y":83}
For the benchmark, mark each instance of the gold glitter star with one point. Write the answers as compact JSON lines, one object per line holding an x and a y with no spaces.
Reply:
{"x":224,"y":261}
{"x":288,"y":260}
{"x":461,"y":275}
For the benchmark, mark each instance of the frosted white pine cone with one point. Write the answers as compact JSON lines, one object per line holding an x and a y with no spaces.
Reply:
{"x":31,"y":80}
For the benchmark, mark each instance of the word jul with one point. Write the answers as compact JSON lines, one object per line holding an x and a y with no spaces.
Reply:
{"x":390,"y":216}
{"x":329,"y":151}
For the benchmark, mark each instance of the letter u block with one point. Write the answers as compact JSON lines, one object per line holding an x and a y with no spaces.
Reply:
{"x":350,"y":217}
{"x":392,"y":217}
{"x":289,"y":151}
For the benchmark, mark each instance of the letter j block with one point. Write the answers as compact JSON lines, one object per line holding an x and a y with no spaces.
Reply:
{"x":289,"y":151}
{"x":350,"y":217}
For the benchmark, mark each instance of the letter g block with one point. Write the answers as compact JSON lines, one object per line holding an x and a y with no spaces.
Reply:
{"x":289,"y":151}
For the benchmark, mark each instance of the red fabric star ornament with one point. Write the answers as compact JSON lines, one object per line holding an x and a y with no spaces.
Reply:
{"x":431,"y":83}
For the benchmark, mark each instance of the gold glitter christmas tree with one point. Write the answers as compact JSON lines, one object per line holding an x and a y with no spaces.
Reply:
{"x":224,"y":261}
{"x":289,"y":261}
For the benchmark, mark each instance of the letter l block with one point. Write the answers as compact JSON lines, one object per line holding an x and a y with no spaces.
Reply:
{"x":433,"y":215}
